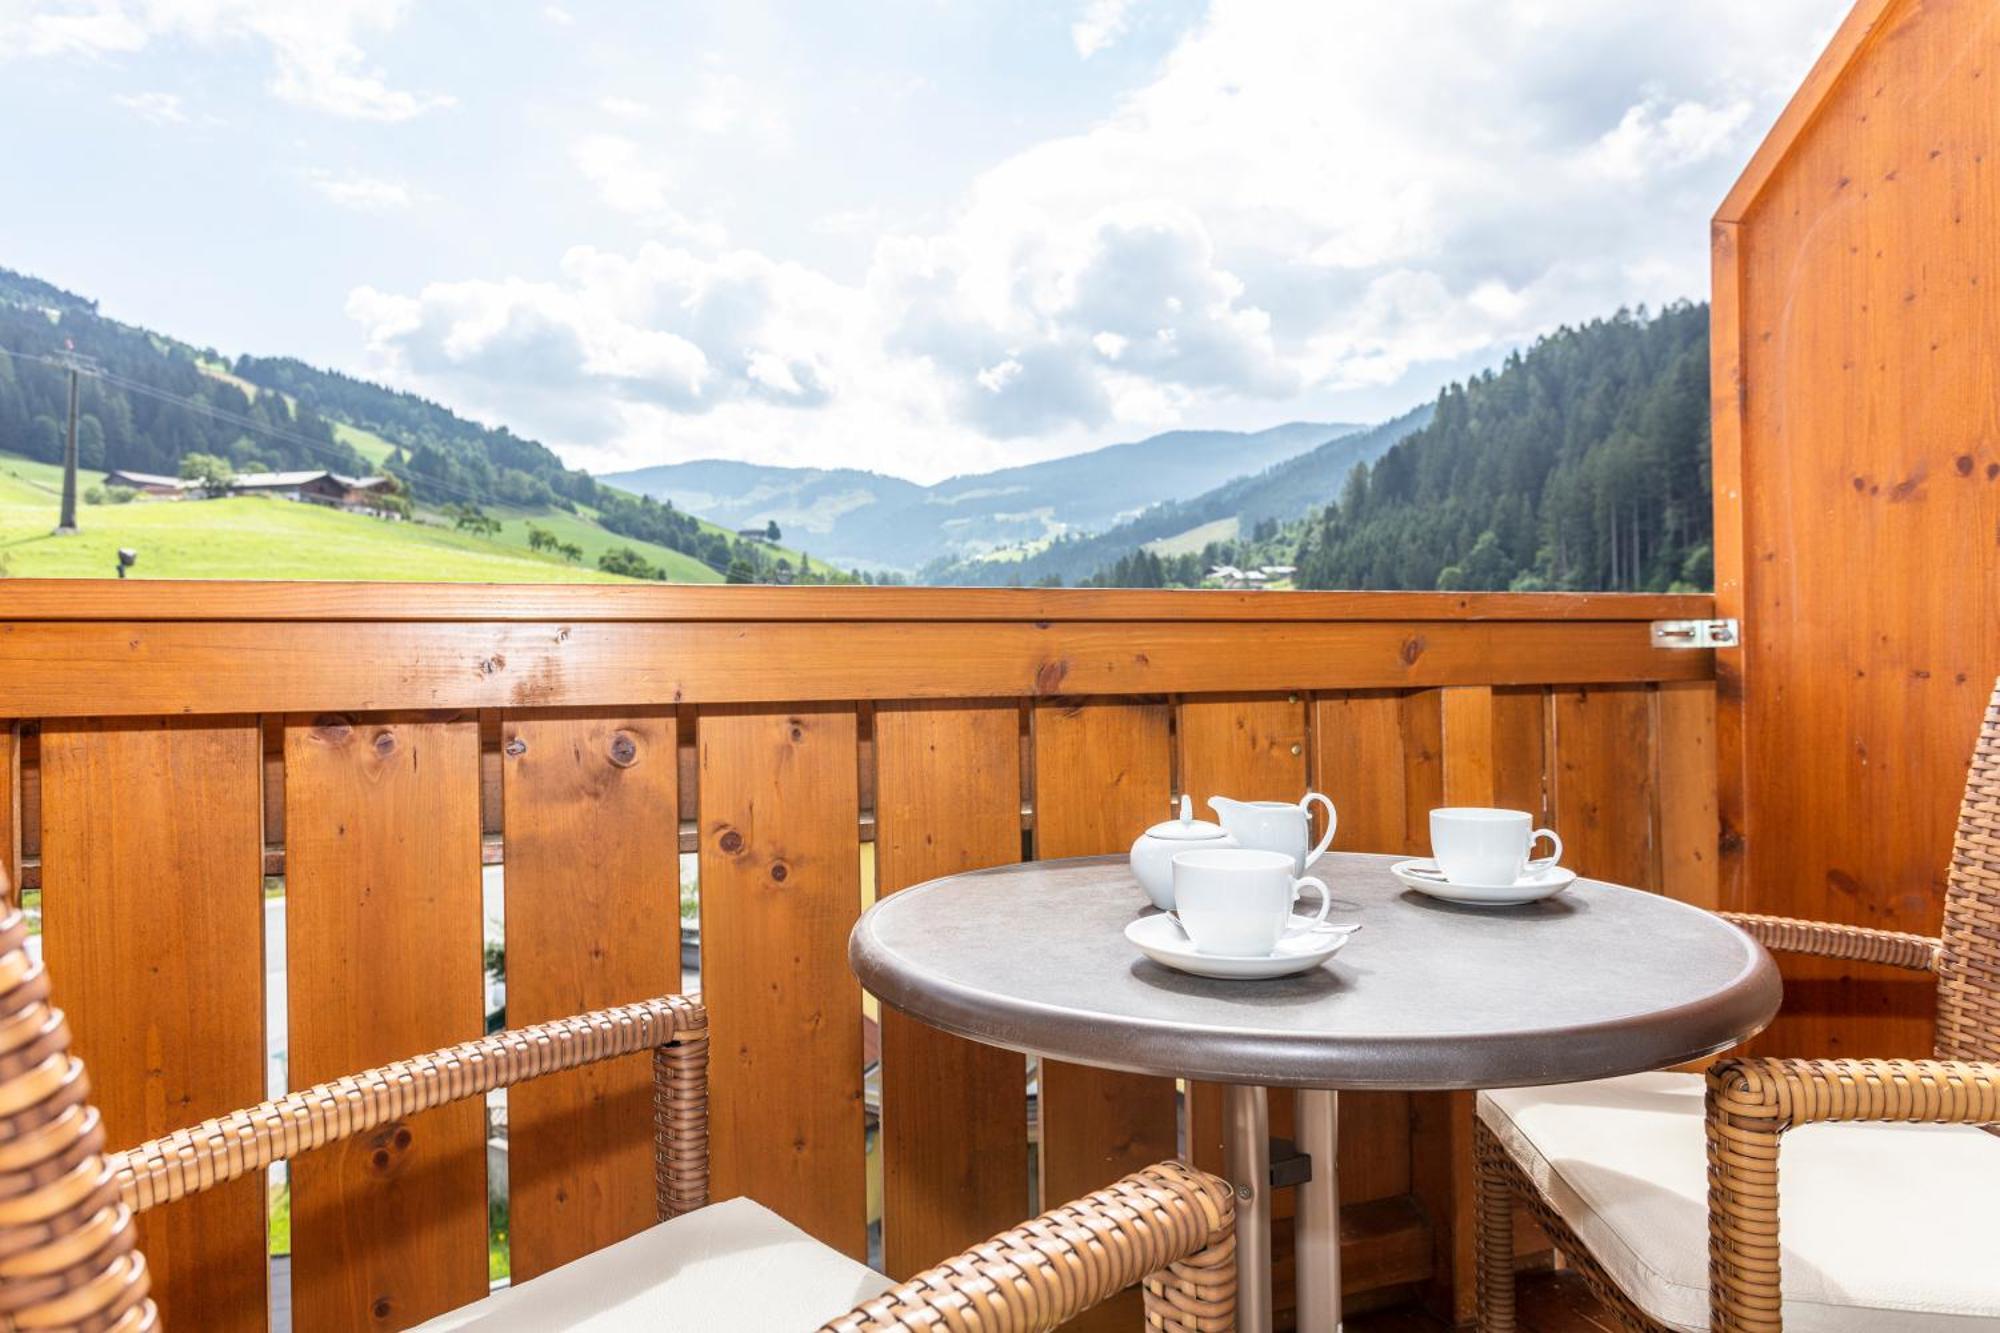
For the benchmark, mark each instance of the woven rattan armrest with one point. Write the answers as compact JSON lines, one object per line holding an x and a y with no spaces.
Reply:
{"x":1826,"y":939}
{"x":1171,"y":1226}
{"x":1751,"y":1103}
{"x":675,"y":1028}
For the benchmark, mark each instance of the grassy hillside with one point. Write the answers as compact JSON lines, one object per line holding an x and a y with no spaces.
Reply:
{"x":514,"y":523}
{"x":595,"y":541}
{"x":253,"y":537}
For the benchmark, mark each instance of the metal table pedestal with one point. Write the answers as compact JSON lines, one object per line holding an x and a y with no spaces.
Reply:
{"x":1247,"y":1148}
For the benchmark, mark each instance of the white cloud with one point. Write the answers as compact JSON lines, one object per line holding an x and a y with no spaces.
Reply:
{"x":724,"y":103}
{"x":317,"y":58}
{"x":1645,"y":141}
{"x":634,"y":180}
{"x":1304,"y":202}
{"x":363,"y":194}
{"x":559,"y":16}
{"x":158,"y":108}
{"x":1102,"y":23}
{"x":625,"y":108}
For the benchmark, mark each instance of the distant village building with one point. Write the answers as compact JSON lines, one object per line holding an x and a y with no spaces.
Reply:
{"x":753,"y":534}
{"x":147,"y":483}
{"x":1229,"y":576}
{"x":361,"y":494}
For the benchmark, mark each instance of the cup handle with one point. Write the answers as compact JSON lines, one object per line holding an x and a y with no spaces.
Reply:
{"x":1553,"y":858}
{"x":1325,"y":901}
{"x":1332,"y":821}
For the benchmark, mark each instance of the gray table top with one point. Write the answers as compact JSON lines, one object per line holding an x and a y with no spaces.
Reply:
{"x":1597,"y":981}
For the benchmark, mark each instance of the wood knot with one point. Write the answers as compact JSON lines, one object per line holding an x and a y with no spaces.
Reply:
{"x":516,"y":746}
{"x":732,"y":842}
{"x":490,"y":665}
{"x":382,"y":1308}
{"x":385,"y":743}
{"x":333,"y":728}
{"x":798,"y":731}
{"x":1413,"y":648}
{"x":779,"y":871}
{"x":624,"y":750}
{"x":1049,"y":676}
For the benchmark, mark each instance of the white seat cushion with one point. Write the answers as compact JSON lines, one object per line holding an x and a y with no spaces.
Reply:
{"x":1883,"y":1226}
{"x":733,"y":1265}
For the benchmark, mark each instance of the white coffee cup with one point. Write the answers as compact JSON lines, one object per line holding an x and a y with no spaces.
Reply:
{"x":1237,"y":902}
{"x":1481,"y":846}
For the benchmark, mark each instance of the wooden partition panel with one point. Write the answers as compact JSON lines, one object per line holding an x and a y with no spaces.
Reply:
{"x":1857,"y":486}
{"x":153,"y":917}
{"x":1103,"y":774}
{"x":592,"y":919}
{"x":954,"y":1157}
{"x":382,"y":896}
{"x":780,"y":889}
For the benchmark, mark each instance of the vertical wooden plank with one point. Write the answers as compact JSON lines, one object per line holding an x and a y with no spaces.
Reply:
{"x":593,"y":919}
{"x":1493,"y":751}
{"x":1253,"y":748}
{"x":1378,"y":755}
{"x":1690,"y":832}
{"x":10,"y":813}
{"x":954,"y":1113}
{"x":1103,"y":773}
{"x":153,"y":927}
{"x":780,"y":890}
{"x":1603,"y":783}
{"x":382,"y":895}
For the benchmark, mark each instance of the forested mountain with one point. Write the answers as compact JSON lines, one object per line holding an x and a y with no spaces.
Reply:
{"x":442,"y":451}
{"x":1582,"y":463}
{"x":1241,"y":507}
{"x":128,"y":414}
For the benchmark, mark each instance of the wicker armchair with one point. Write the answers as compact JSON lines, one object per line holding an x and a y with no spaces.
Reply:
{"x":1750,"y":1104}
{"x":68,"y":1261}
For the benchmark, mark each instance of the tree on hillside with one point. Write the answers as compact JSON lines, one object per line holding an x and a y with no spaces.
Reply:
{"x":771,"y":533}
{"x":624,"y":560}
{"x":212,"y":475}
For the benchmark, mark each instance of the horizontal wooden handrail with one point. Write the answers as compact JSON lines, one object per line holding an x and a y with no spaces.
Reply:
{"x":131,"y":668}
{"x":177,"y":599}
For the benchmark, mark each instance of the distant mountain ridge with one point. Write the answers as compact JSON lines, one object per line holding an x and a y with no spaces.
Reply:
{"x":1283,"y":492}
{"x":855,"y":517}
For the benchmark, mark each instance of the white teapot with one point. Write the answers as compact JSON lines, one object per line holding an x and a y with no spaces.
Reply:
{"x":1277,"y":826}
{"x":1153,"y":853}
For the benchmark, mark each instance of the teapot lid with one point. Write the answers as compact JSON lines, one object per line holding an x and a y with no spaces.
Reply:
{"x":1187,"y":828}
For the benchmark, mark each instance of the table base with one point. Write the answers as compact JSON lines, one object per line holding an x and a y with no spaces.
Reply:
{"x":1247,"y":1154}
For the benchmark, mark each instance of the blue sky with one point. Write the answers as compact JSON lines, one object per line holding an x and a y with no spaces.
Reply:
{"x":923,"y":236}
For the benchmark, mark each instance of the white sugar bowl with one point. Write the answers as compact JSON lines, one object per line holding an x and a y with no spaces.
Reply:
{"x":1153,"y":853}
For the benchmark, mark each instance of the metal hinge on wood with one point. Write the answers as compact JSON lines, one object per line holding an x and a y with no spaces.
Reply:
{"x":1696,"y":634}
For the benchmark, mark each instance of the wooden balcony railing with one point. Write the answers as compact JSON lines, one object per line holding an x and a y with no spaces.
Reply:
{"x":171,"y":744}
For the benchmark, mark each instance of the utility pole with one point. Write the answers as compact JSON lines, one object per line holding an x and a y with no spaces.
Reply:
{"x":77,"y":365}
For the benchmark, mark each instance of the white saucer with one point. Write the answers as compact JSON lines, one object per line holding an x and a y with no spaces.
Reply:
{"x":1161,"y":939}
{"x":1425,"y":877}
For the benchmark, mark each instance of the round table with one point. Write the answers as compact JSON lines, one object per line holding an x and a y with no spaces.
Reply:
{"x":1597,"y":981}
